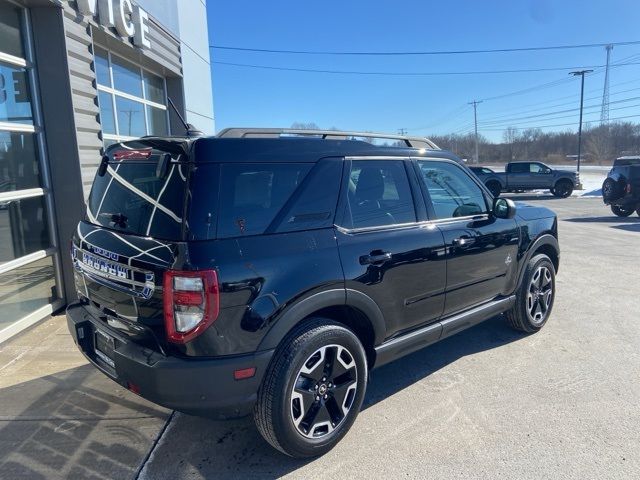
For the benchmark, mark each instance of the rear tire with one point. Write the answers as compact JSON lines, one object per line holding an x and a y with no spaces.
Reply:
{"x":494,"y":187}
{"x":313,"y":389}
{"x":563,"y":189}
{"x":535,"y":296}
{"x":622,"y":211}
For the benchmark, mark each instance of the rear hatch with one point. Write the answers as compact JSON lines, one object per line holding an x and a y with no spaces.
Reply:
{"x":133,"y":232}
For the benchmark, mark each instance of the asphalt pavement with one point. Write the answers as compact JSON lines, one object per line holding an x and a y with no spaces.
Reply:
{"x":487,"y":403}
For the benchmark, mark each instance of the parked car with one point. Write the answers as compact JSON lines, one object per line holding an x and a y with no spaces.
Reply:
{"x":228,"y":276}
{"x":525,"y":176}
{"x":621,"y":188}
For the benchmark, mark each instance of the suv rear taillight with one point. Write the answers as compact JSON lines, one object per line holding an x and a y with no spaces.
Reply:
{"x":191,"y":303}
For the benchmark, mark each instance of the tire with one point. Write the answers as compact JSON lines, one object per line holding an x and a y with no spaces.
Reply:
{"x":494,"y":187}
{"x":563,"y":188}
{"x":553,"y":191}
{"x":531,"y":311}
{"x":622,"y":211}
{"x":612,"y":190}
{"x":317,"y":357}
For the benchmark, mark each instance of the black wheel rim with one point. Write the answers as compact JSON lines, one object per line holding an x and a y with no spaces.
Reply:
{"x":324,"y":391}
{"x":540,"y":295}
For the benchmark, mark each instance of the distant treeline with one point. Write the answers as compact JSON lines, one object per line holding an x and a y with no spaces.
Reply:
{"x":600,"y":144}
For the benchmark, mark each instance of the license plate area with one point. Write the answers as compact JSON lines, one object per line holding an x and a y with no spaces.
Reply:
{"x":104,"y":347}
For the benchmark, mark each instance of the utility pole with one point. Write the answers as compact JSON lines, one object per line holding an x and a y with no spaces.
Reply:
{"x":475,"y":103}
{"x":580,"y":73}
{"x":402,"y":131}
{"x":604,"y":112}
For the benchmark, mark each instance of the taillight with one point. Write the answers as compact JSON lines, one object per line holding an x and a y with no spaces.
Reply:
{"x":191,"y":303}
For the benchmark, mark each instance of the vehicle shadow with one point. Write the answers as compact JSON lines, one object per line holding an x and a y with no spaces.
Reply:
{"x":235,"y":449}
{"x":523,"y":197}
{"x":74,"y":424}
{"x":611,"y":219}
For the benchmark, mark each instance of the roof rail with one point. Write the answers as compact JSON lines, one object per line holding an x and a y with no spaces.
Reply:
{"x":411,"y":142}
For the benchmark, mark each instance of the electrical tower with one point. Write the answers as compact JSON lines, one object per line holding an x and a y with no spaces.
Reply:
{"x":604,"y":112}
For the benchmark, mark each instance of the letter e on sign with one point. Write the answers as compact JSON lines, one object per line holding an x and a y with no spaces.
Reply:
{"x":141,"y":20}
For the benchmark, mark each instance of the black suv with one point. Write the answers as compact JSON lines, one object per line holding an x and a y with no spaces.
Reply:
{"x":224,"y":276}
{"x":621,"y":188}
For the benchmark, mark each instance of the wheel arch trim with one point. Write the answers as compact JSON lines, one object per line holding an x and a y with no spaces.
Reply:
{"x":543,"y":240}
{"x":296,"y":313}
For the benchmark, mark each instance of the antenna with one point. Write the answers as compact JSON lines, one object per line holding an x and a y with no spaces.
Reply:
{"x":604,"y":113}
{"x":191,"y":130}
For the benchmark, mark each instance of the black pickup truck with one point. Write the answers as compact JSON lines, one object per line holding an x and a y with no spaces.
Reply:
{"x":523,"y":176}
{"x":228,"y":276}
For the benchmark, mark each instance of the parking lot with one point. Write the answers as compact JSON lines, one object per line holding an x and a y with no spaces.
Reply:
{"x":487,"y":403}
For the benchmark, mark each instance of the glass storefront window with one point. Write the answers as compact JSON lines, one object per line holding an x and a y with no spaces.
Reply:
{"x":26,"y":289}
{"x":126,"y":77}
{"x":105,"y":100}
{"x":11,"y":30}
{"x":15,"y":98}
{"x":154,"y":88}
{"x":19,"y":165}
{"x":131,"y":121}
{"x":23,"y":228}
{"x":157,"y":121}
{"x":28,"y":257}
{"x":102,"y":67}
{"x":140,"y":99}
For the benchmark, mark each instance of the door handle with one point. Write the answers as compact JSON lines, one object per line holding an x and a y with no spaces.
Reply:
{"x":463,"y":241}
{"x":375,"y":257}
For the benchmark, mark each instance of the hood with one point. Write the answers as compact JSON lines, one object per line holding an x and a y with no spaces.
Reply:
{"x":525,"y":211}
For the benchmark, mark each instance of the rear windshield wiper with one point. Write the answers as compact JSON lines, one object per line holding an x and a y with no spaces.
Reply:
{"x":118,"y":219}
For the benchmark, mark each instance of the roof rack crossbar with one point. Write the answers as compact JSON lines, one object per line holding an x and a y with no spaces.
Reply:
{"x":412,"y":142}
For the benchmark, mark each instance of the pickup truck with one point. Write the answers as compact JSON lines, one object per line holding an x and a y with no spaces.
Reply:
{"x":523,"y":176}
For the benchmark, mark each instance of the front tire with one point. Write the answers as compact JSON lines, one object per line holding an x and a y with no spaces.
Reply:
{"x":313,"y":389}
{"x":621,"y":211}
{"x":563,"y":189}
{"x":535,"y":296}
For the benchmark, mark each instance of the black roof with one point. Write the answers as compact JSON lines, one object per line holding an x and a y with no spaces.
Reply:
{"x":281,"y":150}
{"x":300,"y":150}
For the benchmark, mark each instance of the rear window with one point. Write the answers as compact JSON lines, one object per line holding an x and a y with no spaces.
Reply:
{"x":132,"y":197}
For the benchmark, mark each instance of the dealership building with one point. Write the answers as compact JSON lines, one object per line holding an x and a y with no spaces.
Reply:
{"x":76,"y":76}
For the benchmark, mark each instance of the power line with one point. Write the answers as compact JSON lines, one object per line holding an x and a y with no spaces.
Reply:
{"x":555,"y":125}
{"x":410,"y":74}
{"x":433,"y":52}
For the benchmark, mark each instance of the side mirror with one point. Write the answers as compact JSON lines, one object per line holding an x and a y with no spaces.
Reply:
{"x":504,"y":208}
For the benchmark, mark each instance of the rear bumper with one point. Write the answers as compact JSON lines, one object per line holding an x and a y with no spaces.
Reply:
{"x":197,"y":386}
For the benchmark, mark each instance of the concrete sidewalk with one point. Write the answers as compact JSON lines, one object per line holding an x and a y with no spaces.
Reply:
{"x":61,"y":418}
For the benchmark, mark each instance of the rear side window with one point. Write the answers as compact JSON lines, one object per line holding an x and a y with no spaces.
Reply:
{"x":519,"y":168}
{"x":251,"y":195}
{"x":131,"y":197}
{"x":378,"y":194}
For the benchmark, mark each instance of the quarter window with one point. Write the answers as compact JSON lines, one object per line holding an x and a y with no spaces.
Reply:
{"x":132,"y":100}
{"x":378,"y":194}
{"x":453,"y":193}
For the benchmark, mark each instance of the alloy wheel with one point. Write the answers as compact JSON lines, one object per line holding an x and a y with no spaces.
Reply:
{"x":324,"y":390}
{"x":540,"y":295}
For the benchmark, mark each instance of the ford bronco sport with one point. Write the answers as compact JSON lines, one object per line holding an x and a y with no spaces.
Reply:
{"x":225,"y":276}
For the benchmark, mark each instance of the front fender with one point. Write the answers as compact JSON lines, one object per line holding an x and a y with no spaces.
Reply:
{"x":545,"y":240}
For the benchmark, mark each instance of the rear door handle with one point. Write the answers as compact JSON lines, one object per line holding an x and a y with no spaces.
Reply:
{"x":463,"y":241}
{"x":375,"y":257}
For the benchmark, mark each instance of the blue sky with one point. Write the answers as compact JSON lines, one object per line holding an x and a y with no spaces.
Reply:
{"x":426,"y":104}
